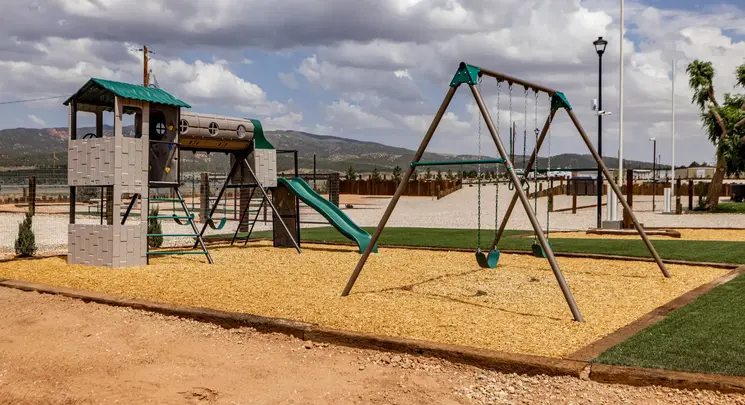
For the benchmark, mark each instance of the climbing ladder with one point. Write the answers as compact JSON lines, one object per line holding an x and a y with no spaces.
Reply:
{"x":247,"y":210}
{"x":189,"y":217}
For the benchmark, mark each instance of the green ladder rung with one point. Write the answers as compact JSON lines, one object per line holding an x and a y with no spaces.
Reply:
{"x":177,"y":253}
{"x":173,"y":234}
{"x":167,"y":199}
{"x":171,"y":217}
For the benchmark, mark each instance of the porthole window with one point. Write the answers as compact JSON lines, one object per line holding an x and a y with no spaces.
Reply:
{"x":160,"y":129}
{"x":241,"y":131}
{"x":184,"y":126}
{"x":213,"y":128}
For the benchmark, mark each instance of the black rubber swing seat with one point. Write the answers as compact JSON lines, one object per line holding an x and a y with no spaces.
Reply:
{"x":489,"y":260}
{"x":538,"y":250}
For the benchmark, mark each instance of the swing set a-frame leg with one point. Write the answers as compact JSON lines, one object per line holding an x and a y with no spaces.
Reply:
{"x":528,"y":168}
{"x":399,"y":191}
{"x":568,"y":296}
{"x":617,"y":191}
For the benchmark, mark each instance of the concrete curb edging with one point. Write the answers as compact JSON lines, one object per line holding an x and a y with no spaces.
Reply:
{"x":481,"y":358}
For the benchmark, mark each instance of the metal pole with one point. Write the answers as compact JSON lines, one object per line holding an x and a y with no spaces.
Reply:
{"x":620,"y":111}
{"x":401,"y":187}
{"x":529,"y":167}
{"x":217,"y":200}
{"x":600,"y":140}
{"x":315,"y":187}
{"x":271,"y":204}
{"x":526,"y":204}
{"x":672,"y":163}
{"x":617,"y":190}
{"x":654,"y":173}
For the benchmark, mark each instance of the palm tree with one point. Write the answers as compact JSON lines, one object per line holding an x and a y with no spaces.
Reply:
{"x":740,"y":75}
{"x":701,"y":81}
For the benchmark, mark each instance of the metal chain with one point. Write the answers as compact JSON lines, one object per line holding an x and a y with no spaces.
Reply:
{"x":525,"y":131}
{"x":478,"y":179}
{"x":548,"y":163}
{"x":496,"y":180}
{"x":512,"y":133}
{"x":535,"y":161}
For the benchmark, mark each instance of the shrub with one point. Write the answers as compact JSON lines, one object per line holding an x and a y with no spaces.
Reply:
{"x":25,"y":244}
{"x":153,"y":226}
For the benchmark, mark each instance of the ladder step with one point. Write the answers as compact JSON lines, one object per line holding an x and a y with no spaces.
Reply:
{"x":167,"y":199}
{"x":177,"y":253}
{"x":171,"y":216}
{"x":173,"y":234}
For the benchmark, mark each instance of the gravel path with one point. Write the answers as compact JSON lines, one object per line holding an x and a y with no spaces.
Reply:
{"x":457,"y":210}
{"x":124,"y":356}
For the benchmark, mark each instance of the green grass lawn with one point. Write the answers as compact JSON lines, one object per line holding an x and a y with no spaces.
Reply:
{"x":725,"y":208}
{"x":699,"y":251}
{"x":707,"y":335}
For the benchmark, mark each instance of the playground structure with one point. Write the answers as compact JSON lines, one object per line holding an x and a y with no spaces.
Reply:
{"x":472,"y":76}
{"x":129,"y":168}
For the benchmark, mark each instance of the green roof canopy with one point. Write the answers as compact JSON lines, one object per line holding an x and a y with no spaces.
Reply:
{"x":101,"y":92}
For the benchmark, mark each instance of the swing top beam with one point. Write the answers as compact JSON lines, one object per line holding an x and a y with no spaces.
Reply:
{"x":470,"y":72}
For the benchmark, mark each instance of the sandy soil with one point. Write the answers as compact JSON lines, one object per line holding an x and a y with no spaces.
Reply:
{"x":438,"y":296}
{"x":59,"y":351}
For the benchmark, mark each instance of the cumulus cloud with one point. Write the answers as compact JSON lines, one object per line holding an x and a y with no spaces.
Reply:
{"x":386,"y":62}
{"x":36,"y":120}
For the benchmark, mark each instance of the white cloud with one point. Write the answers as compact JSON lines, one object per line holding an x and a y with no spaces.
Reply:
{"x":351,"y":117}
{"x":288,"y":121}
{"x":36,"y":120}
{"x":289,"y":80}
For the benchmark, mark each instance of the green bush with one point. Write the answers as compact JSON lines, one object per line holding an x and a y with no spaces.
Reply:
{"x":153,"y":226}
{"x":25,"y":244}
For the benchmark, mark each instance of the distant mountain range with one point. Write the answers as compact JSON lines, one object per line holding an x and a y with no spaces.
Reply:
{"x":47,"y":147}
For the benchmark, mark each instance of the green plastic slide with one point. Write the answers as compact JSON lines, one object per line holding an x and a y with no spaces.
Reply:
{"x":332,"y":213}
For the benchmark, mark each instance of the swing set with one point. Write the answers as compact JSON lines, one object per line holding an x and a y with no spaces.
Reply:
{"x":471,"y":76}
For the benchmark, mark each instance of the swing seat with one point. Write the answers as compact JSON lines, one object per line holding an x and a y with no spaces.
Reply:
{"x":538,"y":250}
{"x":219,"y":226}
{"x":487,"y":261}
{"x":178,"y":221}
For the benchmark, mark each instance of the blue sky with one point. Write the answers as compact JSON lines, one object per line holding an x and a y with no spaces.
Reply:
{"x":377,"y":70}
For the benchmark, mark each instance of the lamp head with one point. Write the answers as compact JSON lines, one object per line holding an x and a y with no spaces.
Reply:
{"x":600,"y":44}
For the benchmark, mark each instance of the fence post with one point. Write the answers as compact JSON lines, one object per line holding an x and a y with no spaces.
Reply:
{"x":32,"y":194}
{"x":574,"y":197}
{"x":333,"y":186}
{"x":678,"y":206}
{"x":690,"y":195}
{"x":627,"y":223}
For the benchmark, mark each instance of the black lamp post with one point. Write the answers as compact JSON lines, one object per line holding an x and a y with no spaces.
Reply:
{"x":654,"y":171}
{"x":600,"y":44}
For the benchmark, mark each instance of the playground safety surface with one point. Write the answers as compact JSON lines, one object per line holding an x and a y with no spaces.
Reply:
{"x":429,"y":295}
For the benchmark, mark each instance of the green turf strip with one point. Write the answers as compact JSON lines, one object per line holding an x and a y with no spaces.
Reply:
{"x":707,"y":336}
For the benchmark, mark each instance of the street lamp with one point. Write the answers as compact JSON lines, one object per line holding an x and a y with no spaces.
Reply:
{"x":654,"y":167}
{"x":600,"y":45}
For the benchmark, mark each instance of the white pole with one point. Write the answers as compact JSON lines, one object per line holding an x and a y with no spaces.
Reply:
{"x":620,"y":111}
{"x":672,"y":163}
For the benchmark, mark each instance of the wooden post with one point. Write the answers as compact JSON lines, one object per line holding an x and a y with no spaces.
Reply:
{"x":32,"y":194}
{"x":690,"y":195}
{"x":627,"y":223}
{"x":678,"y":206}
{"x":574,"y":197}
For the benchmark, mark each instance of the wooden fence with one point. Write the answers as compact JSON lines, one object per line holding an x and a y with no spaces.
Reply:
{"x":419,"y":188}
{"x":589,"y":188}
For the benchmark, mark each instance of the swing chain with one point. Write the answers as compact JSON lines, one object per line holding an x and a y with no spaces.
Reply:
{"x":548,"y":167}
{"x":525,"y":132}
{"x":478,"y":179}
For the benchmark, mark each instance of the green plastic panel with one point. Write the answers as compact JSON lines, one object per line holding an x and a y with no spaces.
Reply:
{"x":127,"y":90}
{"x":466,"y":74}
{"x":260,"y":141}
{"x":457,"y":162}
{"x":560,"y":101}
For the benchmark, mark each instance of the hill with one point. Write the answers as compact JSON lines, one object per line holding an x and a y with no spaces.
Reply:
{"x":40,"y":147}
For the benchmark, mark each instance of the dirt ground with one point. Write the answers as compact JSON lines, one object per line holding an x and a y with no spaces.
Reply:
{"x":431,"y":295}
{"x":60,"y":351}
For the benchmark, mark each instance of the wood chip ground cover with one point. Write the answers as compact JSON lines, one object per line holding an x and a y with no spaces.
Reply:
{"x":430,"y":295}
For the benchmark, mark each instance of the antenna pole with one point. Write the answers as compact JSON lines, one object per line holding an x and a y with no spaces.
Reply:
{"x":145,"y":74}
